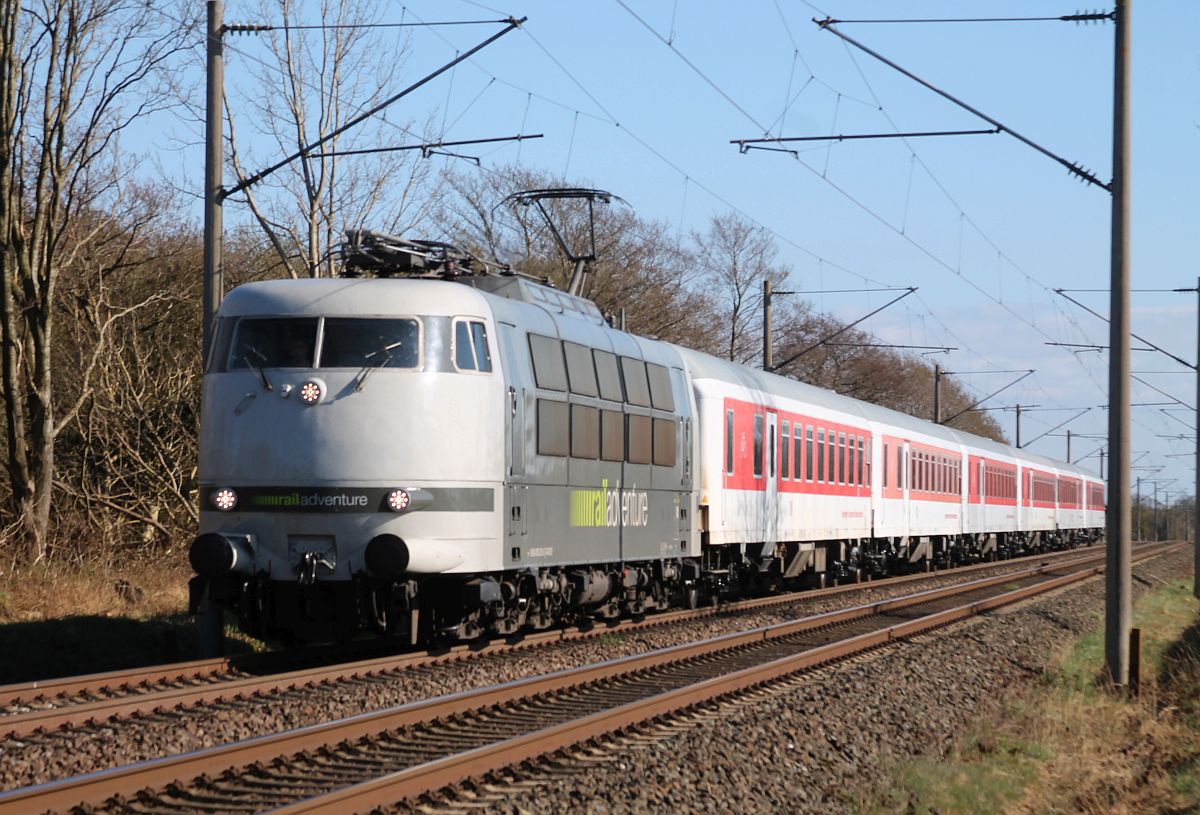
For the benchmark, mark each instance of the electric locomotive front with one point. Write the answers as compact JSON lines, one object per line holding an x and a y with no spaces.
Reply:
{"x":351,"y":443}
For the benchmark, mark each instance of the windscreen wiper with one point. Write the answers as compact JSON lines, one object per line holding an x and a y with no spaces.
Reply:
{"x":262,"y":374}
{"x":375,"y":359}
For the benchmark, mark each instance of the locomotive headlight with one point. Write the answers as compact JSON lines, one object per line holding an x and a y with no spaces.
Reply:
{"x":398,"y":500}
{"x":310,"y":392}
{"x":224,"y":499}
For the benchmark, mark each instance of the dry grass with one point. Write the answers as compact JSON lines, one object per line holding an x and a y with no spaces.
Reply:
{"x":58,"y":619}
{"x":49,"y":591}
{"x":1070,"y":745}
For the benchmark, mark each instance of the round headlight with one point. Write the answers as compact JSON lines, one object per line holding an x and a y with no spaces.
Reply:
{"x":225,"y":499}
{"x":310,"y":393}
{"x":398,"y":500}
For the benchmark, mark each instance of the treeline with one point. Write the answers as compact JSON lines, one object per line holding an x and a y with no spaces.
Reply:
{"x":100,"y":261}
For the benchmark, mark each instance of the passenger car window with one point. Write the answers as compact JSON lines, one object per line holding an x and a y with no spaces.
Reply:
{"x":758,"y":446}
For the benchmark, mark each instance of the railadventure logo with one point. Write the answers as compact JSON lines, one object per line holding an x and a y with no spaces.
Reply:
{"x":313,"y":500}
{"x":610,"y":508}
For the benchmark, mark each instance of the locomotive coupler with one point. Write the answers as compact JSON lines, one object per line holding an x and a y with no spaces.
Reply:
{"x":307,"y":570}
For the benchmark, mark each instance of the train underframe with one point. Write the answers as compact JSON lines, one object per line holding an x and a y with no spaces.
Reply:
{"x":448,"y":608}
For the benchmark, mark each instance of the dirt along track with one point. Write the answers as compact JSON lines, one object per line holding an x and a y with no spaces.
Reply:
{"x":215,"y":701}
{"x":702,"y":670}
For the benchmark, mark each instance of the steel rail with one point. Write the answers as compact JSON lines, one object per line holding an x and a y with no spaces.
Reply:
{"x":95,"y":788}
{"x":43,"y":691}
{"x":430,"y":776}
{"x":155,"y":701}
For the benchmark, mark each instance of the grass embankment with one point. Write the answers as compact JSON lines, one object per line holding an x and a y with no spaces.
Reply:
{"x":58,"y":619}
{"x":1069,"y":745}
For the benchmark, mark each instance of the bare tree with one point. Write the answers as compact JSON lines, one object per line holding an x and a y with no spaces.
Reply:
{"x":75,"y":75}
{"x":736,"y":257}
{"x":313,"y":83}
{"x":640,"y":270}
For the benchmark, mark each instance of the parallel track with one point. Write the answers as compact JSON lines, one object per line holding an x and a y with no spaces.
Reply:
{"x":379,"y":758}
{"x":74,"y":702}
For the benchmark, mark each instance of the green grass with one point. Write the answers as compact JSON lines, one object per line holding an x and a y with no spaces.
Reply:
{"x":998,"y":776}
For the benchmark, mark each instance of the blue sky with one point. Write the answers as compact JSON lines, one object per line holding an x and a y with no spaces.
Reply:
{"x":983,"y":225}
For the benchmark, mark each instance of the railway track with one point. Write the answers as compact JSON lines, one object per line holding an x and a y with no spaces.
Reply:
{"x":379,"y":758}
{"x":74,"y":702}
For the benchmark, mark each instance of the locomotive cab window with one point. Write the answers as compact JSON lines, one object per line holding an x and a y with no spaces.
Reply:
{"x":470,"y":346}
{"x":273,"y":342}
{"x":378,"y":343}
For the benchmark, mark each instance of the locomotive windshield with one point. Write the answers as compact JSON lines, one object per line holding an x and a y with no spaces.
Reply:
{"x":381,"y":343}
{"x":274,"y":343}
{"x":291,"y":342}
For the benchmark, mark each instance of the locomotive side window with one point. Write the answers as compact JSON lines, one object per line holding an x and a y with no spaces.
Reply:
{"x":637,"y":389}
{"x":482,"y":354}
{"x":609,"y":376}
{"x":612,"y":435}
{"x":470,"y":346}
{"x":660,"y":387}
{"x":758,"y":446}
{"x":864,"y":455}
{"x":641,"y":445}
{"x":273,"y":342}
{"x":464,"y":351}
{"x":729,"y":442}
{"x":553,"y":425}
{"x":580,"y":370}
{"x":841,"y":463}
{"x":885,"y":464}
{"x":548,"y":368}
{"x":378,"y":342}
{"x":585,"y":432}
{"x":664,"y":442}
